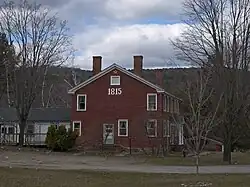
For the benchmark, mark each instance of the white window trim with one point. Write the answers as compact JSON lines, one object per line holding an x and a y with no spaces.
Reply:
{"x":77,"y":102}
{"x":171,"y":105}
{"x":120,"y":120}
{"x":164,"y":103}
{"x":80,"y":130}
{"x":168,"y":104}
{"x":115,"y":84}
{"x":155,"y":128}
{"x":178,"y":107}
{"x":151,"y":94}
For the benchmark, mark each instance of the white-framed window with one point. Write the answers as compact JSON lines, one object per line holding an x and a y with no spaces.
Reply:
{"x":122,"y":127}
{"x":172,"y":133}
{"x":77,"y":127}
{"x":171,"y":105}
{"x":164,"y":103}
{"x":178,"y":107}
{"x":30,"y":129}
{"x":4,"y":130}
{"x":81,"y":102}
{"x":152,"y":128}
{"x":115,"y":80}
{"x":181,"y":135}
{"x":11,"y":130}
{"x":168,"y":103}
{"x":174,"y":106}
{"x":152,"y":102}
{"x":166,"y":132}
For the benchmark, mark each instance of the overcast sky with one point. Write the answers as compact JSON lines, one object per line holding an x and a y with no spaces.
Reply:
{"x":119,"y":29}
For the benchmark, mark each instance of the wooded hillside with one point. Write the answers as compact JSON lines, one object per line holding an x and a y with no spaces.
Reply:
{"x":60,"y":80}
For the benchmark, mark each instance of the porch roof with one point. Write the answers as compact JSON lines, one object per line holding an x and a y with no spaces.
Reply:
{"x":37,"y":114}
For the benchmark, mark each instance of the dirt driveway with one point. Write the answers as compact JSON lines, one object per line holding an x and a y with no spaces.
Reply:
{"x":45,"y":160}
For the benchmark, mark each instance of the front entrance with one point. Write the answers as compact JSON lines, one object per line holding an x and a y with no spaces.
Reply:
{"x":108,"y":134}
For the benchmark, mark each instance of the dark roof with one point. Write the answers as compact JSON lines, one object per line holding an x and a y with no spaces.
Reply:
{"x":37,"y":114}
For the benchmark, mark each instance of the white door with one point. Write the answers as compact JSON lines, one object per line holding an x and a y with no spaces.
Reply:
{"x":108,"y":133}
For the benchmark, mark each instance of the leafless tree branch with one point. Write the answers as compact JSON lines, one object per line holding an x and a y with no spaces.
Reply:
{"x":41,"y":40}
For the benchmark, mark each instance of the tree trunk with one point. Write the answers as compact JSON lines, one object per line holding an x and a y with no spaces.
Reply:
{"x":7,"y":85}
{"x":22,"y":126}
{"x":227,"y":153}
{"x":197,"y":164}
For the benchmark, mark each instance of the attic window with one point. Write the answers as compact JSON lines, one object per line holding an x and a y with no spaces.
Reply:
{"x":114,"y":80}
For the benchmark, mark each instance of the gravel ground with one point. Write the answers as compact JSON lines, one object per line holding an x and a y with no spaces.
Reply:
{"x":46,"y":160}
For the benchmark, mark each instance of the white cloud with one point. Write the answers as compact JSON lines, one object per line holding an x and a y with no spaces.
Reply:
{"x":118,"y":44}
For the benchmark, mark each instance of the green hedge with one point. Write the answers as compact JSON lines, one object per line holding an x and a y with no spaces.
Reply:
{"x":60,"y":139}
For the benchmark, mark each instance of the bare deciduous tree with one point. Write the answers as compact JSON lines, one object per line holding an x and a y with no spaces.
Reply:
{"x":41,"y":40}
{"x":199,"y":120}
{"x":216,"y":36}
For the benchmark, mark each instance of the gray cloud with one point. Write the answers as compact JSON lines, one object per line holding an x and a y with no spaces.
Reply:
{"x":112,"y":28}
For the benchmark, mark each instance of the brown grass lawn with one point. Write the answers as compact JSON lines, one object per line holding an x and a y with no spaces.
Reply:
{"x":205,"y":160}
{"x":50,"y":178}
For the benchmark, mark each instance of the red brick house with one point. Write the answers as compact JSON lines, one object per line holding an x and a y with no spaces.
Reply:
{"x":118,"y":107}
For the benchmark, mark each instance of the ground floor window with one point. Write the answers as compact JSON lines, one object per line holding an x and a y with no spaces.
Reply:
{"x":77,"y":127}
{"x":151,"y":128}
{"x":11,"y":130}
{"x":172,"y":134}
{"x":7,"y":129}
{"x":166,"y":128}
{"x":4,"y":130}
{"x":123,"y":127}
{"x":30,"y":129}
{"x":181,"y":135}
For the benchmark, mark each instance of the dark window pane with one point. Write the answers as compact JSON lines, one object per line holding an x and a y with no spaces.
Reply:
{"x":11,"y":130}
{"x":77,"y":125}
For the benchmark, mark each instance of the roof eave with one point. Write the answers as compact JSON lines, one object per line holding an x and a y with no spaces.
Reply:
{"x":71,"y":92}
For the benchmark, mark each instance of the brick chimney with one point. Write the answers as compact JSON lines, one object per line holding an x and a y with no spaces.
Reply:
{"x":159,"y":77}
{"x":97,"y":64}
{"x":138,"y":61}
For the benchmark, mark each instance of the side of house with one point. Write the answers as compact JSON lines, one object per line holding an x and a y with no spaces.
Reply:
{"x":117,"y":107}
{"x":37,"y":125}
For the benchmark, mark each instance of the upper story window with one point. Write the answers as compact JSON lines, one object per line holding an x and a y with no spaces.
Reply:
{"x":115,"y":80}
{"x":171,"y":105}
{"x":81,"y":102}
{"x":175,"y":105}
{"x":168,"y":103}
{"x":164,"y":103}
{"x":151,"y":102}
{"x":178,"y":107}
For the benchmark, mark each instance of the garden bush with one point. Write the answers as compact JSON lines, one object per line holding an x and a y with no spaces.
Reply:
{"x":60,"y":139}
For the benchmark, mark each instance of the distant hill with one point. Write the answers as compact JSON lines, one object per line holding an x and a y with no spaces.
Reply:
{"x":60,"y":80}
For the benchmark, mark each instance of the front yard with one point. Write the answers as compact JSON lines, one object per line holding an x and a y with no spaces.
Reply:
{"x":205,"y":160}
{"x":50,"y":178}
